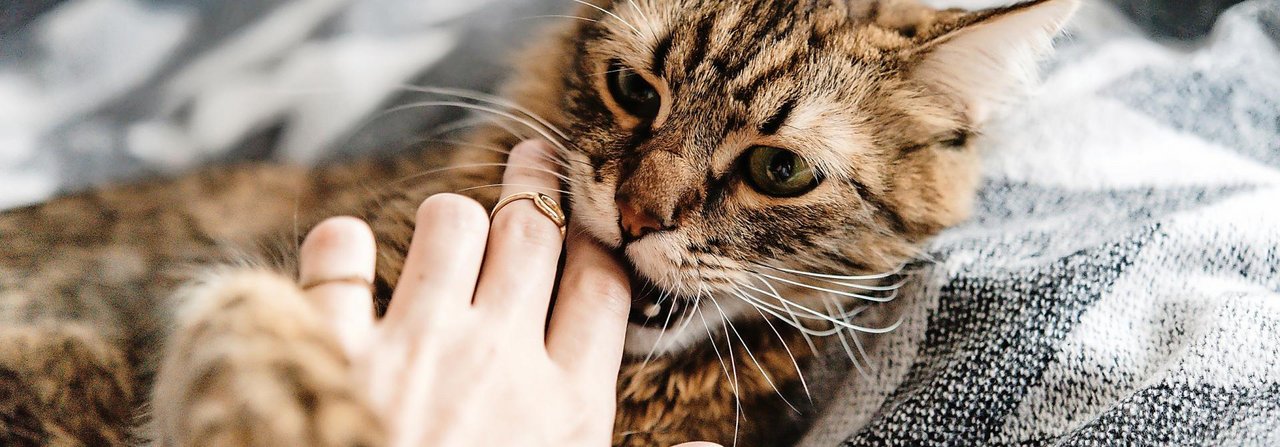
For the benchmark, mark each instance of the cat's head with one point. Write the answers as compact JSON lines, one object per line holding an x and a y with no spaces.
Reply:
{"x":724,"y":147}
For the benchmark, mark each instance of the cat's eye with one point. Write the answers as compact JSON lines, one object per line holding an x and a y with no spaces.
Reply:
{"x":779,"y":172}
{"x":636,"y":95}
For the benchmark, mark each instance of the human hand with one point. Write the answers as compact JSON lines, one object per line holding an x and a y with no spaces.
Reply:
{"x":465,"y":354}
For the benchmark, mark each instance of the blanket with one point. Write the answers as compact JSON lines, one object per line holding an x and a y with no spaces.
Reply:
{"x":1117,"y":285}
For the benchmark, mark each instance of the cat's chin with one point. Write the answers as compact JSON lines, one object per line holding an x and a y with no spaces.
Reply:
{"x":659,"y":319}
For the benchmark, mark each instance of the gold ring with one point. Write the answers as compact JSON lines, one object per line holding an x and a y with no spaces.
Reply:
{"x":352,"y":280}
{"x":545,"y":204}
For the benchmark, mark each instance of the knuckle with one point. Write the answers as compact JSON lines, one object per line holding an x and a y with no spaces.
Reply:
{"x":608,"y":293}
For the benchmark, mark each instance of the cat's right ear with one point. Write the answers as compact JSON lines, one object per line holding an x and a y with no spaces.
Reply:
{"x":987,"y":59}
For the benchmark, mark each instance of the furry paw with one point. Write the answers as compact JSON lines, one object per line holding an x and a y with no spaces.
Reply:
{"x":252,"y":364}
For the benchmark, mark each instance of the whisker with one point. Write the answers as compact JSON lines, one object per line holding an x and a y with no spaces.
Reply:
{"x":737,"y":401}
{"x":661,"y":333}
{"x":564,"y":163}
{"x":853,"y":358}
{"x":611,"y":14}
{"x":813,"y":314}
{"x":557,"y":16}
{"x":787,"y":347}
{"x":895,"y":271}
{"x":615,"y":70}
{"x":808,"y":341}
{"x":836,"y":292}
{"x":475,"y":107}
{"x":767,"y":308}
{"x":491,"y":99}
{"x":853,"y":336}
{"x":648,"y":23}
{"x":499,"y":185}
{"x":468,"y":166}
{"x":819,"y":316}
{"x":746,"y":347}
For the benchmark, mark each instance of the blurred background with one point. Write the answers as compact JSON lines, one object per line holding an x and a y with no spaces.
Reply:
{"x":93,"y":91}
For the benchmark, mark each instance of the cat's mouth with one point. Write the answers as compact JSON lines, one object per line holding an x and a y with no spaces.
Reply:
{"x":655,"y":307}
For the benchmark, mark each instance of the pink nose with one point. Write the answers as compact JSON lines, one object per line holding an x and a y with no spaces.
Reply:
{"x":636,"y":222}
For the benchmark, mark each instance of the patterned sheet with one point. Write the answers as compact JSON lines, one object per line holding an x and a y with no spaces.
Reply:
{"x":1117,"y":286}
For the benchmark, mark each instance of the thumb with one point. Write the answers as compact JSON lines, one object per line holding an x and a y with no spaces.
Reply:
{"x":699,"y":444}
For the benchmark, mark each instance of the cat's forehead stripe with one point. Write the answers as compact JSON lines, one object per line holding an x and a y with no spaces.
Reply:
{"x":660,"y":53}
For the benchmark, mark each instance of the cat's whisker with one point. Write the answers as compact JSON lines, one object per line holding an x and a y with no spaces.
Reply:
{"x":661,"y":333}
{"x":877,"y":299}
{"x":853,"y":336}
{"x":895,"y":271}
{"x":869,"y":288}
{"x":615,"y":70}
{"x":480,"y":108}
{"x":812,"y":314}
{"x":557,"y":16}
{"x":491,"y":99}
{"x":648,"y":23}
{"x":714,"y":346}
{"x":838,"y":320}
{"x":795,"y":323}
{"x":498,"y":150}
{"x":807,"y":339}
{"x":458,"y":124}
{"x":733,"y":364}
{"x":852,"y":358}
{"x":610,"y":14}
{"x":747,"y":347}
{"x":464,"y":144}
{"x":500,"y":185}
{"x":785,"y":346}
{"x":464,"y":166}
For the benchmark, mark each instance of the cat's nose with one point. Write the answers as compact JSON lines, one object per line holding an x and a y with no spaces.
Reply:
{"x":635,"y":221}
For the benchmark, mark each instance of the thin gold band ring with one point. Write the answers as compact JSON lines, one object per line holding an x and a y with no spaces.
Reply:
{"x":544,"y":203}
{"x":352,"y":280}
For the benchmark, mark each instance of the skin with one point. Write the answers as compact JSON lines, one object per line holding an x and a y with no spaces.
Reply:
{"x":473,"y":307}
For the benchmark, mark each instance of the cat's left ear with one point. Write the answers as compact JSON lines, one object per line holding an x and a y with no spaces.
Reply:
{"x":988,"y":59}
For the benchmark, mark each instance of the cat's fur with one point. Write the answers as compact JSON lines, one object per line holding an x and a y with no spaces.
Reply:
{"x":111,"y":331}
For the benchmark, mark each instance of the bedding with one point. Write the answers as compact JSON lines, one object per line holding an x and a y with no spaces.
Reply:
{"x":1117,"y":284}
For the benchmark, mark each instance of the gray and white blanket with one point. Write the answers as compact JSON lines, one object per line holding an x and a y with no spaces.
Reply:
{"x":1118,"y":284}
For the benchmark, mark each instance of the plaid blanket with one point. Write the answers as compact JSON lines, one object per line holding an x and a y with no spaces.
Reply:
{"x":1117,"y":285}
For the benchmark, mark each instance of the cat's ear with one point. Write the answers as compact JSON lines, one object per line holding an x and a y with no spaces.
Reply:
{"x":988,"y":59}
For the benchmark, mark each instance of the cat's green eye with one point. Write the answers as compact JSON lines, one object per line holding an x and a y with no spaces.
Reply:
{"x":779,"y":172}
{"x":636,"y":95}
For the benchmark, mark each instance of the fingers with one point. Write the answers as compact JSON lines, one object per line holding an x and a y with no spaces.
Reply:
{"x":336,"y":266}
{"x":590,"y":319}
{"x":524,"y":243}
{"x":444,"y":259}
{"x":699,"y":444}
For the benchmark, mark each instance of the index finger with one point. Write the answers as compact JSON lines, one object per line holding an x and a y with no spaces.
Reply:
{"x":589,"y":322}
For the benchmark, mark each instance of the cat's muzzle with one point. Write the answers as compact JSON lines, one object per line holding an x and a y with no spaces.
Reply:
{"x":652,"y":306}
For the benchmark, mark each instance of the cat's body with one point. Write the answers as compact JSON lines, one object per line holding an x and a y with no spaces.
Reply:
{"x":113,"y":327}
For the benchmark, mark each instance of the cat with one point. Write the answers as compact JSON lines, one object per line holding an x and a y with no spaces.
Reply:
{"x":735,"y":155}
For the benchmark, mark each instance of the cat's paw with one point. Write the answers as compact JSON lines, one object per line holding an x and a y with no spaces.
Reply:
{"x":252,"y":364}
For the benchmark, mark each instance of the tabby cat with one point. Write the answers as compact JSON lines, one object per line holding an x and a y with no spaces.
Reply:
{"x":763,"y":167}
